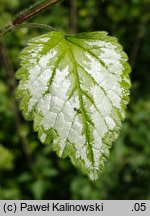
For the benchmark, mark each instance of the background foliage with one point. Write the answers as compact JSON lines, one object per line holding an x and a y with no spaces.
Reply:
{"x":28,"y":169}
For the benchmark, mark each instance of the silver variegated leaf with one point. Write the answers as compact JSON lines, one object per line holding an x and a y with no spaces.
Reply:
{"x":75,"y":88}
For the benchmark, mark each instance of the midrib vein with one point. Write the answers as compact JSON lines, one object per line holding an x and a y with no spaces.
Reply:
{"x":84,"y":115}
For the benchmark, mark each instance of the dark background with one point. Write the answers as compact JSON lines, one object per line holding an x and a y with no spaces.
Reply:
{"x":28,"y":169}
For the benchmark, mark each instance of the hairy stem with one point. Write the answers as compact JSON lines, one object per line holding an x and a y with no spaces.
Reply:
{"x":28,"y":14}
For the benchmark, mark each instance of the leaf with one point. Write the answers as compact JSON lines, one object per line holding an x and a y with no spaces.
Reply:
{"x":6,"y":159}
{"x":75,"y":88}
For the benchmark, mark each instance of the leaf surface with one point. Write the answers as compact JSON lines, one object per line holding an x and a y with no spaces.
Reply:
{"x":75,"y":88}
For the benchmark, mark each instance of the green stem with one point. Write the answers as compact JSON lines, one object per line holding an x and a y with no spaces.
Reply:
{"x":37,"y":25}
{"x":28,"y":14}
